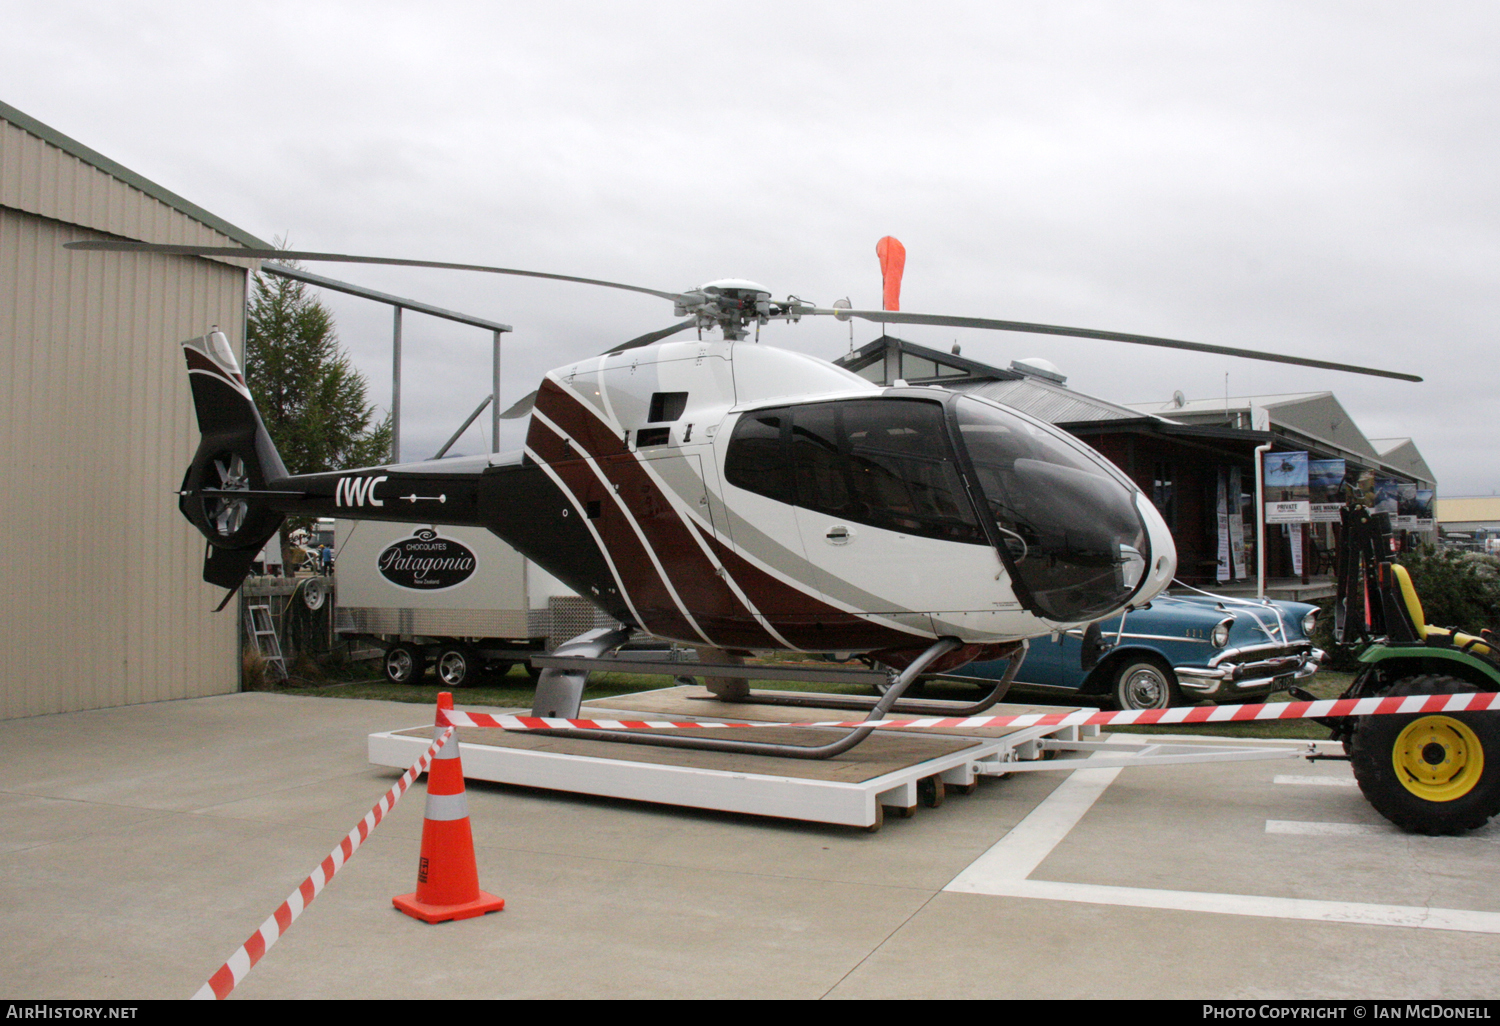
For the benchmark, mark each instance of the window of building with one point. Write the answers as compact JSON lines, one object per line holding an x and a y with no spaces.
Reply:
{"x":1164,"y":492}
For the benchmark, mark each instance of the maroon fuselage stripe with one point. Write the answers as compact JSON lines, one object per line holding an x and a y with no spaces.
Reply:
{"x":714,"y":606}
{"x":648,"y":594}
{"x":802,"y":619}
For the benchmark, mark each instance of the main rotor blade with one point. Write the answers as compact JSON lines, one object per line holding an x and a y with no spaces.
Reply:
{"x":652,"y":336}
{"x":290,"y":254}
{"x":521,"y":407}
{"x":895,"y":317}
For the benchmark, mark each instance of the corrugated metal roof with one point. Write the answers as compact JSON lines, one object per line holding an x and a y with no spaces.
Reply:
{"x":1220,"y":405}
{"x":98,"y":161}
{"x":1051,"y":403}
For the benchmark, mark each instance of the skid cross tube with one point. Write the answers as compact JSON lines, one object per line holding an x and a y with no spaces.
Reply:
{"x":818,"y":675}
{"x":915,"y":706}
{"x":1112,"y":754}
{"x":937,"y":649}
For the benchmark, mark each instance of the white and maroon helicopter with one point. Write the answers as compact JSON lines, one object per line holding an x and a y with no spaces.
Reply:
{"x":735,"y":497}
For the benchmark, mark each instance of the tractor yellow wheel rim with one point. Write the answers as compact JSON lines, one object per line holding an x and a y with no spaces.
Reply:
{"x":1438,"y":758}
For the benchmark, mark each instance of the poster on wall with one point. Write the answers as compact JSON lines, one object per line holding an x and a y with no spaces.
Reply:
{"x":1426,"y":509}
{"x":1221,"y":572}
{"x":1359,"y":486}
{"x":1294,"y":532}
{"x":1237,"y":526}
{"x":1287,"y":500}
{"x":1406,"y":506}
{"x":1385,"y":496}
{"x":1325,"y":480}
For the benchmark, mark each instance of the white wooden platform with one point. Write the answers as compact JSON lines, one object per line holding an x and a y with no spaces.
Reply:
{"x":887,"y":771}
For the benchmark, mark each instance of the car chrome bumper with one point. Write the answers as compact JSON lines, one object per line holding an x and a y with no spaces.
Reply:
{"x":1244,"y":678}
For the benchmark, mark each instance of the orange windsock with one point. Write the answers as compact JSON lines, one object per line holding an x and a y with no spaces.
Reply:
{"x":892,"y":262}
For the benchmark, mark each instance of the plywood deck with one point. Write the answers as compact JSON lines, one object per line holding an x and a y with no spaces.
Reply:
{"x":877,"y":756}
{"x":693,"y":702}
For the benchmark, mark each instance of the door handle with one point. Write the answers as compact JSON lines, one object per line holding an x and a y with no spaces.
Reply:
{"x":839,"y":535}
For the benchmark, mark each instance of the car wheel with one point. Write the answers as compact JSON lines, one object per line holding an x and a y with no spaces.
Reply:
{"x":1145,"y":684}
{"x":404,"y":664}
{"x":1429,"y":773}
{"x":457,"y":666}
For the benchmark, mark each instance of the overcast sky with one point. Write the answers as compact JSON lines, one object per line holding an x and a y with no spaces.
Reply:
{"x":1308,"y":178}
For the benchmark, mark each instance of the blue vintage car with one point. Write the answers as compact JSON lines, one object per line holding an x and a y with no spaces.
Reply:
{"x":1180,"y":648}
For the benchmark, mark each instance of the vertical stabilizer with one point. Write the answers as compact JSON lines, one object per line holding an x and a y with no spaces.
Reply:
{"x":235,"y":460}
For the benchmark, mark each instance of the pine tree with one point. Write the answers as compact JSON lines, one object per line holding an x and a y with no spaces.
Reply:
{"x":314,"y":402}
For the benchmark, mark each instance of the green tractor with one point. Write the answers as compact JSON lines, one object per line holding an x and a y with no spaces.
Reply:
{"x":1429,"y":773}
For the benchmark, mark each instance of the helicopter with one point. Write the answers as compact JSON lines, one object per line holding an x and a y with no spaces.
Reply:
{"x":737,"y":497}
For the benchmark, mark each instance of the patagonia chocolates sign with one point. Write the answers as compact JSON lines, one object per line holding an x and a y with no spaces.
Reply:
{"x":426,"y":562}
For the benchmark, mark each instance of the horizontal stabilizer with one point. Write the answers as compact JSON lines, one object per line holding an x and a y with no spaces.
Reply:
{"x":227,"y":567}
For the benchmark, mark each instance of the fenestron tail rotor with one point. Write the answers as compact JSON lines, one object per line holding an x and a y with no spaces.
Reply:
{"x":734,"y":305}
{"x":225,"y":512}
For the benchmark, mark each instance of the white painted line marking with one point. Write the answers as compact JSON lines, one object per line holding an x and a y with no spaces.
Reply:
{"x":1410,"y":916}
{"x":1003,"y":871}
{"x":1304,"y":828}
{"x":1013,"y":858}
{"x":1282,"y":778}
{"x":1301,"y":828}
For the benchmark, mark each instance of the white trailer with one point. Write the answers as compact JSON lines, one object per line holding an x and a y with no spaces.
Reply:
{"x":457,"y":599}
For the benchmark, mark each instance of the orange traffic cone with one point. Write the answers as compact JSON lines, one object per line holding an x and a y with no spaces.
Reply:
{"x":447,"y":877}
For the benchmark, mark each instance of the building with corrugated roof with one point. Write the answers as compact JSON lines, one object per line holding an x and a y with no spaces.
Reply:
{"x":1312,"y":421}
{"x":104,"y":602}
{"x":1470,"y":522}
{"x":1176,"y":452}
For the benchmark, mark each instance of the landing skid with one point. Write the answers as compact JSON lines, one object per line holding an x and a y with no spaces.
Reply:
{"x":572,"y":663}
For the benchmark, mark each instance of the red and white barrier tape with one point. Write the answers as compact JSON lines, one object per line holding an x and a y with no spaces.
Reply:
{"x":222,"y":982}
{"x":242,"y":961}
{"x":1182,"y":714}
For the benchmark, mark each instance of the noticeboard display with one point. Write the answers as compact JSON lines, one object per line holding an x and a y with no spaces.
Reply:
{"x":1325,"y":480}
{"x":1286,"y":488}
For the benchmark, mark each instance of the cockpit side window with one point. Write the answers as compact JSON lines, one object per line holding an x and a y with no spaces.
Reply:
{"x":882,"y":462}
{"x":756,"y":460}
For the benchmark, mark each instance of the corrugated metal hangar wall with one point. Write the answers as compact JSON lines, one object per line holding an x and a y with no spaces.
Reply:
{"x":102,"y":601}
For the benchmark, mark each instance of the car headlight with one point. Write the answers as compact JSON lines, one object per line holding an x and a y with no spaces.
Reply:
{"x":1220,"y":635}
{"x":1309,"y":622}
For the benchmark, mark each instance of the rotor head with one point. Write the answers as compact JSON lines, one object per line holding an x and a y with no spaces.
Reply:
{"x":733,"y":304}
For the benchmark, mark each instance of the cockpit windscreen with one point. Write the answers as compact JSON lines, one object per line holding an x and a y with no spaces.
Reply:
{"x":1070,"y":530}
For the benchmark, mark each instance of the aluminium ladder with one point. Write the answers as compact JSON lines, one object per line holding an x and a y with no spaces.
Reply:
{"x":260,"y":628}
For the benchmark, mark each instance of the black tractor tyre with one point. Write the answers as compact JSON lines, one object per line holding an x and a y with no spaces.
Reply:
{"x":1429,"y":773}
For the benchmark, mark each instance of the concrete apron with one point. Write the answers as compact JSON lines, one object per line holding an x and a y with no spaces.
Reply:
{"x":140,"y":846}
